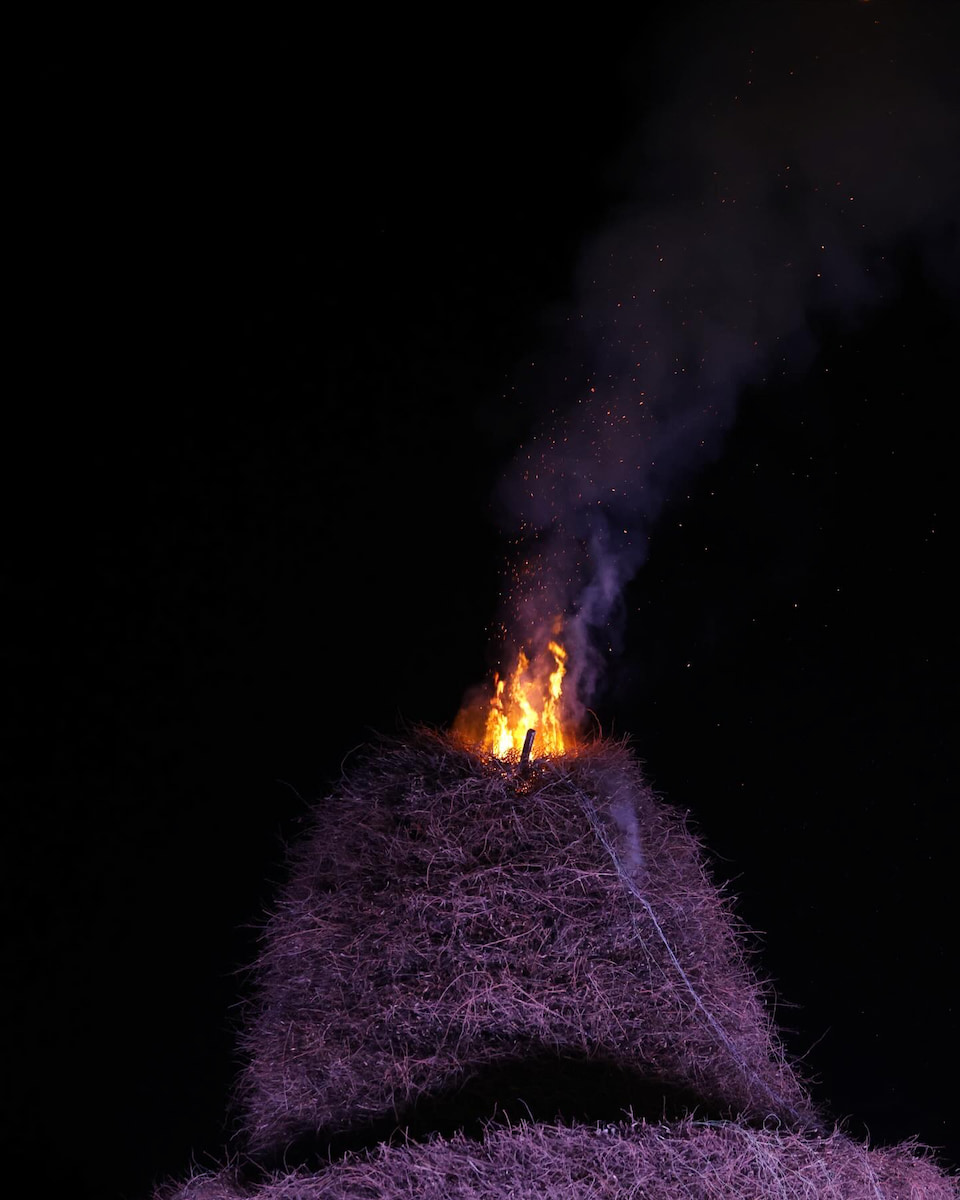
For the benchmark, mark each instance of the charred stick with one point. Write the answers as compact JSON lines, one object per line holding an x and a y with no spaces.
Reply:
{"x":527,"y":747}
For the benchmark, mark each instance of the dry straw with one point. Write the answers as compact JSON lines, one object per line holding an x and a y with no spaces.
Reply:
{"x":460,"y":943}
{"x":446,"y":914}
{"x":684,"y":1161}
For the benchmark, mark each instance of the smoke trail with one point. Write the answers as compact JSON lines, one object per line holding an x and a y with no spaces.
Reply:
{"x":800,"y":144}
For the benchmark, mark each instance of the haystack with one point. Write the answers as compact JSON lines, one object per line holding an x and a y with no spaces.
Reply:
{"x":684,"y":1161}
{"x":455,"y":936}
{"x":458,"y":939}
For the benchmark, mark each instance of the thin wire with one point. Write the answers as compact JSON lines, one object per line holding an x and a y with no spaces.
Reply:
{"x":604,"y":841}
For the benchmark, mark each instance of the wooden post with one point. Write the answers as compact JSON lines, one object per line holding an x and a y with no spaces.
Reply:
{"x":527,"y":747}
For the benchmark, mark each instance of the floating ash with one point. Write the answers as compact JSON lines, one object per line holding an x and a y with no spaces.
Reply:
{"x":438,"y":925}
{"x":684,"y":1161}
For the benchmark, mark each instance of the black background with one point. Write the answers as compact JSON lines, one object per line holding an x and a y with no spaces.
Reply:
{"x":277,"y":283}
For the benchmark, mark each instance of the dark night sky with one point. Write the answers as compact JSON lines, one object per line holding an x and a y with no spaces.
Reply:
{"x":279,"y":282}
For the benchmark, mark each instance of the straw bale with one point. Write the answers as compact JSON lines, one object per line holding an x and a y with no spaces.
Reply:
{"x":445,"y":916}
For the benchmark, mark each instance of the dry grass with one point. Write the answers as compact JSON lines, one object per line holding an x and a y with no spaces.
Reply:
{"x":686,"y":1161}
{"x":440,"y":920}
{"x":450,"y":930}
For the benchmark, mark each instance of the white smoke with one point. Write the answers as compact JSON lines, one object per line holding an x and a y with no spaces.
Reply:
{"x":799,"y":145}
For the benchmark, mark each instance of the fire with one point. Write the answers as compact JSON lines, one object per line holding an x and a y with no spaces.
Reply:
{"x":529,"y":699}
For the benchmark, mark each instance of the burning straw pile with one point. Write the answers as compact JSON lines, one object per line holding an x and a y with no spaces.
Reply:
{"x":461,"y":944}
{"x":440,"y":920}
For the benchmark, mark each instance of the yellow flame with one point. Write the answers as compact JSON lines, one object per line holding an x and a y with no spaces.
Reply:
{"x":530,"y":699}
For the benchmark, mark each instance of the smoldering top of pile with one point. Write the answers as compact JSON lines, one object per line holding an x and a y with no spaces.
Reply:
{"x":447,"y":921}
{"x":692,"y":1160}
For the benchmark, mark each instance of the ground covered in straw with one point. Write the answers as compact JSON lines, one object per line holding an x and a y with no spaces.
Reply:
{"x":686,"y":1161}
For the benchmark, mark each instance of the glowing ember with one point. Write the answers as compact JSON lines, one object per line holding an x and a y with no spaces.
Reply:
{"x":529,"y":699}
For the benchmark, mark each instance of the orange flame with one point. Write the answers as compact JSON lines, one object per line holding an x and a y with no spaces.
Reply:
{"x":529,"y":699}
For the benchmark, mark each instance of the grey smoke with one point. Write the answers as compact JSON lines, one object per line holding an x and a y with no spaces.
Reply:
{"x":799,"y":145}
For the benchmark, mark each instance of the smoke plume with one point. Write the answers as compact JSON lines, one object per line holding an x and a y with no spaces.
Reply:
{"x":800,"y":146}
